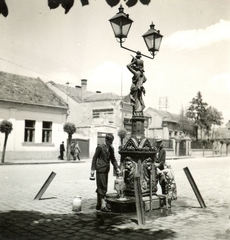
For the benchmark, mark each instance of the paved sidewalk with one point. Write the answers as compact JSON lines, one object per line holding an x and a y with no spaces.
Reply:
{"x":52,"y":217}
{"x":57,"y":161}
{"x":38,"y":161}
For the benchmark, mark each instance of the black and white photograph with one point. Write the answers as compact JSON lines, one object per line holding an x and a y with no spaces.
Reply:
{"x":114,"y":119}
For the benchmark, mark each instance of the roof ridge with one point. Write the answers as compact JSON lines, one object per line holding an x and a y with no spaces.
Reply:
{"x":24,"y":89}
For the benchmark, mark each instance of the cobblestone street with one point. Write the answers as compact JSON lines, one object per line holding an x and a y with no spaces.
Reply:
{"x":52,"y":217}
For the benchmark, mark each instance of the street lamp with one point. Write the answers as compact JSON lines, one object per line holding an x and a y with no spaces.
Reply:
{"x":137,"y":153}
{"x":121,"y":24}
{"x":153,"y":40}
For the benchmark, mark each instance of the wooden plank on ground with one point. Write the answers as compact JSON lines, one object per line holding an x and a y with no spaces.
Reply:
{"x":45,"y":186}
{"x":139,"y":201}
{"x":194,"y":187}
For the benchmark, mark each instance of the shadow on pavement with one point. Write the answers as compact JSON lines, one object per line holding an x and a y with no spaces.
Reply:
{"x":48,"y":198}
{"x":92,"y":225}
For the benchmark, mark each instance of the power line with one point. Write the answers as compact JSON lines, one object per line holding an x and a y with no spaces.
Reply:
{"x":28,"y":68}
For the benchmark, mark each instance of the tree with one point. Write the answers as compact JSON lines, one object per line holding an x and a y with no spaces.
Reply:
{"x":70,"y":129}
{"x":5,"y":127}
{"x":122,"y":134}
{"x":213,"y":118}
{"x":68,"y":4}
{"x":197,"y":112}
{"x":186,"y":125}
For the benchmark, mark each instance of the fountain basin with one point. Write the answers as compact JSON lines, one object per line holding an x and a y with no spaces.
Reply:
{"x":128,"y":205}
{"x":121,"y":205}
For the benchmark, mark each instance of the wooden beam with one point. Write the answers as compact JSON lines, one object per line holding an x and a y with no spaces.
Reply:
{"x":45,"y":186}
{"x":194,"y":187}
{"x":139,"y":201}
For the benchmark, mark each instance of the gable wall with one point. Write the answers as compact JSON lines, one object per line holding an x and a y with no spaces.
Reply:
{"x":17,"y":114}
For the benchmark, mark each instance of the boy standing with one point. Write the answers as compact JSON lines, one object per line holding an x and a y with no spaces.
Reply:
{"x":101,"y":164}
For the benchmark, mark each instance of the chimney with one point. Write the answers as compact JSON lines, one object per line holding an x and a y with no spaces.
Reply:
{"x":83,"y":88}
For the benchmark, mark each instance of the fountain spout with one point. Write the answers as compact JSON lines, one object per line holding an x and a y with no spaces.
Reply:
{"x":119,"y":186}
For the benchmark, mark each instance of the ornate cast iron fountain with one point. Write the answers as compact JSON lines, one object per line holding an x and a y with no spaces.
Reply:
{"x":137,"y":155}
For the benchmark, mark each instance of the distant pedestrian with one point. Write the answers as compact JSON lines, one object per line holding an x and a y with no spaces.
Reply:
{"x":62,"y":150}
{"x":101,"y":164}
{"x":77,"y":151}
{"x":72,"y":150}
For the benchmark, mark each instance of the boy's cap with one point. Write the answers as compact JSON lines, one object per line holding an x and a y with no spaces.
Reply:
{"x":109,"y":136}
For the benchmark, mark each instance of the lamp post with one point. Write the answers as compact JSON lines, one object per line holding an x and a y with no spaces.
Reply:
{"x":137,"y":155}
{"x":121,"y":24}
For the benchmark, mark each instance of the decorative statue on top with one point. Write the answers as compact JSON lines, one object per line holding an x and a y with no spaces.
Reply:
{"x":137,"y":90}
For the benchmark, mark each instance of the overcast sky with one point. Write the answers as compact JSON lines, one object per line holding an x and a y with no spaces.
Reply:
{"x":194,"y":55}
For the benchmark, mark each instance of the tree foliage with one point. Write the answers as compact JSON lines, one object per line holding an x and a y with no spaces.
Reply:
{"x":70,"y":129}
{"x":213,"y":118}
{"x":186,"y":125}
{"x":122,"y":134}
{"x":68,"y":4}
{"x":197,"y":112}
{"x":3,"y":8}
{"x":5,"y":127}
{"x":203,"y":116}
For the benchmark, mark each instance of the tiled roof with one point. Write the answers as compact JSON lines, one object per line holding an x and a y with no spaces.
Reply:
{"x":101,"y":97}
{"x":27,"y":90}
{"x":171,"y":117}
{"x":223,"y":133}
{"x":147,"y":115}
{"x":76,"y":94}
{"x":228,"y":125}
{"x":126,"y":99}
{"x":73,"y":92}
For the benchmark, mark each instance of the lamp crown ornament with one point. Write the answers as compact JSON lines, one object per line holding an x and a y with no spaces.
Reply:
{"x":121,"y":24}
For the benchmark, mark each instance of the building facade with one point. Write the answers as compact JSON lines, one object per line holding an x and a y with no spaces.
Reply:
{"x":37,"y":115}
{"x":166,"y":125}
{"x":38,"y":112}
{"x":93,"y":113}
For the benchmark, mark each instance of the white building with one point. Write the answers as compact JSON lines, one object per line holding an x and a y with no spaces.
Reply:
{"x":37,"y":115}
{"x":166,"y":125}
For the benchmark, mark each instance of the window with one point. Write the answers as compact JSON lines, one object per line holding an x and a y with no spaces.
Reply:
{"x":29,"y":131}
{"x":97,"y":113}
{"x":46,"y":132}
